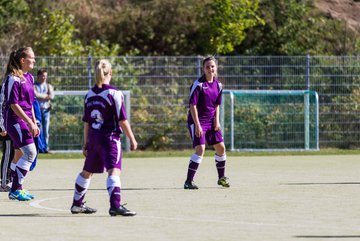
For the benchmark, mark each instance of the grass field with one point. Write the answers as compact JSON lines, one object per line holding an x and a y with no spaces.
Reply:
{"x":279,"y":197}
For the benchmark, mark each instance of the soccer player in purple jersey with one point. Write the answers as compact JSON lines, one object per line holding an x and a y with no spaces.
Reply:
{"x":19,"y":119}
{"x":204,"y":124}
{"x":104,"y":120}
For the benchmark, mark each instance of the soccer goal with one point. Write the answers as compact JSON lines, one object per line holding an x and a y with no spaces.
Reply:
{"x":270,"y":120}
{"x":66,"y":127}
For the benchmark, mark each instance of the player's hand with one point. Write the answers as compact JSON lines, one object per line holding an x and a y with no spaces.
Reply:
{"x":3,"y":133}
{"x":133,"y":145}
{"x":34,"y":129}
{"x":198,"y":131}
{"x":84,"y":150}
{"x":217,"y":126}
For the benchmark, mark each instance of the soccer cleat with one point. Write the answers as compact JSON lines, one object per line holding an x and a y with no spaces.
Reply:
{"x":82,"y":209}
{"x":19,"y":195}
{"x":224,"y":181}
{"x":123,"y":211}
{"x":28,"y":194}
{"x":190,"y":185}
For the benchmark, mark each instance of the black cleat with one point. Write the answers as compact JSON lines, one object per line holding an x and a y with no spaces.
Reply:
{"x":224,"y":181}
{"x":190,"y":185}
{"x":82,"y":209}
{"x":123,"y":211}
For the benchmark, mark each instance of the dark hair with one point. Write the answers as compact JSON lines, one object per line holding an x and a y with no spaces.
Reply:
{"x":14,"y":66}
{"x":209,"y":58}
{"x":41,"y":71}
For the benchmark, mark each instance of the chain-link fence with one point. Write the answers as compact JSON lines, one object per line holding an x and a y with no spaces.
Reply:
{"x":159,"y":89}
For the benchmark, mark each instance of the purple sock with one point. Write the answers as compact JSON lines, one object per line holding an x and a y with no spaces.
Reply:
{"x":19,"y":175}
{"x":220,"y":166}
{"x":115,"y":197}
{"x":12,"y":175}
{"x":193,"y":166}
{"x":81,"y":186}
{"x":79,"y":191}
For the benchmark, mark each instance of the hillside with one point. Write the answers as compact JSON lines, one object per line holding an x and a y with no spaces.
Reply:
{"x":347,"y":10}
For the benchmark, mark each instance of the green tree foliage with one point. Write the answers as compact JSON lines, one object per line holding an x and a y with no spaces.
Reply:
{"x":294,"y":28}
{"x":102,"y":48}
{"x":12,"y":14}
{"x":224,"y":24}
{"x":158,"y":27}
{"x":54,"y":34}
{"x":185,"y":27}
{"x":94,"y":20}
{"x":175,"y":27}
{"x":49,"y":27}
{"x":172,"y":27}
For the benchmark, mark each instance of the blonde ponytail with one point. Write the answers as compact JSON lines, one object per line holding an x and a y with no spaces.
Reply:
{"x":102,"y":69}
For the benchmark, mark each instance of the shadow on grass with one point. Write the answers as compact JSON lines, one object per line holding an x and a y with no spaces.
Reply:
{"x":20,"y":215}
{"x":327,"y":236}
{"x":48,"y":215}
{"x":320,"y":183}
{"x":123,"y":189}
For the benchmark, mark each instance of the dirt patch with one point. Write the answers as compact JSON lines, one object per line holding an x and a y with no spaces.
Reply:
{"x":346,"y":10}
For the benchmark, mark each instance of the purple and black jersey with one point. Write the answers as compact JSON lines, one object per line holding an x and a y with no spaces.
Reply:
{"x":206,"y":97}
{"x":104,"y":108}
{"x":18,"y":91}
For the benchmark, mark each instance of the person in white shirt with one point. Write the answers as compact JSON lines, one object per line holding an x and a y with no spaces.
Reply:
{"x":44,"y":93}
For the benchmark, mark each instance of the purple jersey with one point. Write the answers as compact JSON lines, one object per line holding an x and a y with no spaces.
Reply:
{"x":206,"y":97}
{"x":104,"y":108}
{"x":21,"y":92}
{"x":18,"y":91}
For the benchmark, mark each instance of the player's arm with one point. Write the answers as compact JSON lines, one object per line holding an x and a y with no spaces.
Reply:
{"x":217,"y":109}
{"x":86,"y":133}
{"x":2,"y":100}
{"x":51,"y":92}
{"x":195,"y":116}
{"x":40,"y":96}
{"x":217,"y":119}
{"x":3,"y":133}
{"x":125,"y":126}
{"x":122,"y":120}
{"x":194,"y":97}
{"x":20,"y":113}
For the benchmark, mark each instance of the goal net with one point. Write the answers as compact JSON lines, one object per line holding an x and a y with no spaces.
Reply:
{"x":67,"y":128}
{"x":270,"y":120}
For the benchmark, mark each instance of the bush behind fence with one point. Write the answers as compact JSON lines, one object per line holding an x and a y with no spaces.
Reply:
{"x":159,"y":89}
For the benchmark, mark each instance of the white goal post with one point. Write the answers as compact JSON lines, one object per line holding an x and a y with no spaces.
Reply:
{"x":270,"y":120}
